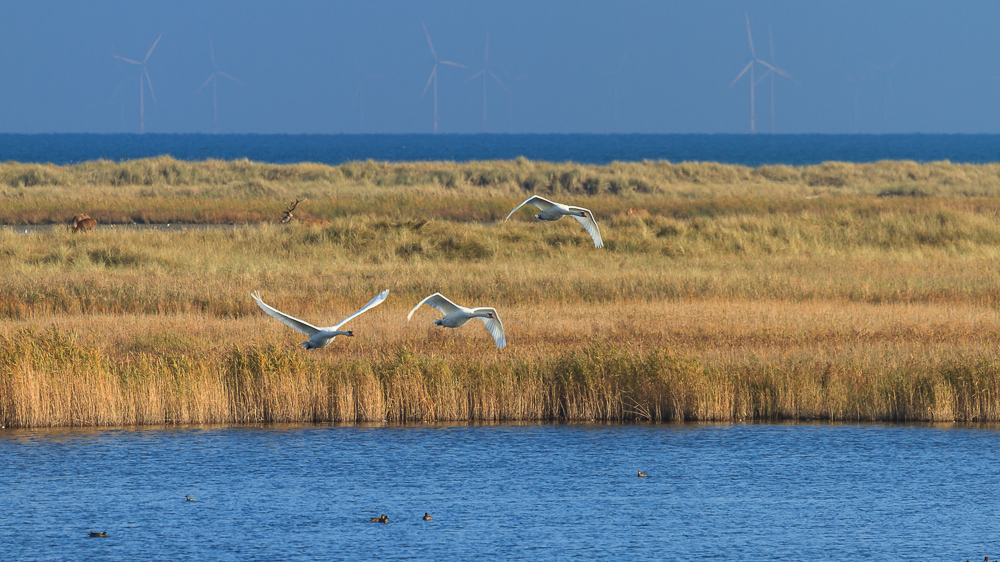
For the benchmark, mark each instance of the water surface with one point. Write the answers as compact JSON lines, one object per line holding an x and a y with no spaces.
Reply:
{"x":521,"y":492}
{"x":749,"y":150}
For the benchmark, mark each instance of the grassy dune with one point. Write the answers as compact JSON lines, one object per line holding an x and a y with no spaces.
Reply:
{"x":839,"y":291}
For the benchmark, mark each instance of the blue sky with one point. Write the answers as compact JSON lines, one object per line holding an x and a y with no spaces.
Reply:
{"x":568,"y":66}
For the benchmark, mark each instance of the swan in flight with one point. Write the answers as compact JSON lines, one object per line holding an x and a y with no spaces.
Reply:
{"x":318,"y":337}
{"x":455,"y":316}
{"x":552,"y":211}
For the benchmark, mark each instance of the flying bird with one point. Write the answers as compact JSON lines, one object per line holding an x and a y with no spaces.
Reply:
{"x":318,"y":337}
{"x":455,"y":316}
{"x":552,"y":211}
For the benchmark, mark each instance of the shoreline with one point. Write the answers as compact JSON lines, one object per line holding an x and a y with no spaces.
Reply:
{"x":335,"y":149}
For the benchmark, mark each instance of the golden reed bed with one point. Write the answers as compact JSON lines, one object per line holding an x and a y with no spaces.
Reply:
{"x":841,"y":292}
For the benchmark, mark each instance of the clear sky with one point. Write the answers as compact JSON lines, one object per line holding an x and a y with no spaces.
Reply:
{"x":568,"y":66}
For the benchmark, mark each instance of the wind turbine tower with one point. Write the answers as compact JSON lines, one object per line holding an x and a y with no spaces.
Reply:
{"x":772,"y":69}
{"x":143,"y":73}
{"x":486,"y":70}
{"x":213,"y":78}
{"x":510,"y":97}
{"x":433,"y":76}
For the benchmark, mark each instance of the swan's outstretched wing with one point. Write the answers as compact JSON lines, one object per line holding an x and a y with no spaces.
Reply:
{"x":371,"y":304}
{"x":494,"y":326}
{"x":290,"y":321}
{"x":437,"y":301}
{"x":540,"y":202}
{"x":590,"y":225}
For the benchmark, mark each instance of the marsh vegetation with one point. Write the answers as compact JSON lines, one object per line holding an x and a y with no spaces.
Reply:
{"x":838,"y":291}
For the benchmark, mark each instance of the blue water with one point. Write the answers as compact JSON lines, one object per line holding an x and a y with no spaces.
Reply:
{"x":751,"y":150}
{"x":512,"y":492}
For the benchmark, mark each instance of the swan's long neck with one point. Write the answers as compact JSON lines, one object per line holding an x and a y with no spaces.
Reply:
{"x":482,"y":314}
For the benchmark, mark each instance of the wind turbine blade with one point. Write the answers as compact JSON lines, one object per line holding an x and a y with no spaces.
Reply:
{"x":148,"y":81}
{"x":449,"y":63}
{"x":894,"y":61}
{"x":224,"y":75}
{"x":474,"y":76}
{"x":486,"y":55}
{"x":740,"y":75}
{"x":763,"y":76}
{"x":429,"y":80}
{"x":150,"y":52}
{"x":429,"y":42}
{"x":211,"y":47}
{"x":210,"y":76}
{"x":130,"y":61}
{"x":777,"y":71}
{"x":495,"y":77}
{"x":749,"y":36}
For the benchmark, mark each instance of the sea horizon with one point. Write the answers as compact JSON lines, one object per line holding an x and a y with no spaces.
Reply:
{"x":582,"y":148}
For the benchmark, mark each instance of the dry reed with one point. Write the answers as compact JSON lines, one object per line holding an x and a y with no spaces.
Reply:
{"x":50,"y":380}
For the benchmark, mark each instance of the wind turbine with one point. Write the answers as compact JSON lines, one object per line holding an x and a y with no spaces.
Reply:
{"x":857,"y":83}
{"x":486,"y":70}
{"x":143,"y":73}
{"x":433,"y":76}
{"x":772,"y":70}
{"x":750,"y":66}
{"x":510,"y":96}
{"x":213,"y":79}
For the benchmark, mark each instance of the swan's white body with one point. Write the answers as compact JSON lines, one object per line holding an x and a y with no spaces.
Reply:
{"x":455,"y":316}
{"x":318,"y":337}
{"x":552,"y":211}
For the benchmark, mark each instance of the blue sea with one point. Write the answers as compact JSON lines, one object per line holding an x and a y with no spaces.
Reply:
{"x":749,"y":150}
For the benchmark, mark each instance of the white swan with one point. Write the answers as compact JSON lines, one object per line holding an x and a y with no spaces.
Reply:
{"x":552,"y":211}
{"x":455,"y":316}
{"x":318,"y":337}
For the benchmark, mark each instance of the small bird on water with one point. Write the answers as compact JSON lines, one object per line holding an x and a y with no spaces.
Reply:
{"x":104,"y":534}
{"x":427,"y":516}
{"x":383,"y":519}
{"x":642,"y":474}
{"x":189,"y":498}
